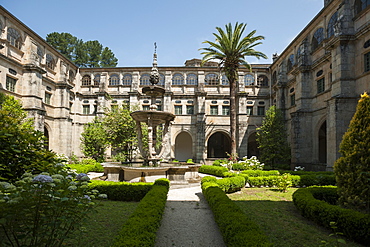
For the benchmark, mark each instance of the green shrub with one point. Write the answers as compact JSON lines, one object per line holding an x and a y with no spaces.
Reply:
{"x":257,"y":173}
{"x":163,"y":181}
{"x":219,"y":162}
{"x":317,"y":179}
{"x":86,"y":168}
{"x":208,"y":179}
{"x":122,"y":191}
{"x":236,"y":228}
{"x":351,"y":223}
{"x":213,"y":170}
{"x":352,"y":170}
{"x":41,"y":210}
{"x":231,"y":184}
{"x":283,"y":182}
{"x":140,"y":229}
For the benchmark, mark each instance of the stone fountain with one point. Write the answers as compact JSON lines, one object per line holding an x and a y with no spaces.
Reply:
{"x":152,"y":167}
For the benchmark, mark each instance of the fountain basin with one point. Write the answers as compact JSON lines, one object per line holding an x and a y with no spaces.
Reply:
{"x":157,"y":117}
{"x":176,"y":174}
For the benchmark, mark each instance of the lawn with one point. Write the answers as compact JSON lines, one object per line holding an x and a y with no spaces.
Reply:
{"x":276,"y":214}
{"x":103,"y":224}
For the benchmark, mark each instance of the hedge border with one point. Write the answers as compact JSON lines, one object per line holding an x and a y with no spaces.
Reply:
{"x":236,"y":228}
{"x":141,"y":227}
{"x":351,"y":223}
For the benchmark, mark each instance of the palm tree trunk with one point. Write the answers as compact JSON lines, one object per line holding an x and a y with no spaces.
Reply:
{"x":233,"y":116}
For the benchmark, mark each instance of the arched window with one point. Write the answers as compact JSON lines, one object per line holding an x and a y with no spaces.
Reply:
{"x":332,"y":21}
{"x":211,"y":79}
{"x":97,"y":79}
{"x":262,"y":81}
{"x":317,"y":38}
{"x":161,"y":80}
{"x":249,"y":79}
{"x":86,"y":80}
{"x":191,"y":79}
{"x":14,"y":38}
{"x":225,"y":80}
{"x":50,"y":62}
{"x":177,"y":79}
{"x":127,"y":79}
{"x":114,"y":80}
{"x":360,"y":5}
{"x":145,"y":80}
{"x":290,"y":62}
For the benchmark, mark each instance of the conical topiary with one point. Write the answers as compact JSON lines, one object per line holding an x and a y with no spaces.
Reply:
{"x":352,"y":170}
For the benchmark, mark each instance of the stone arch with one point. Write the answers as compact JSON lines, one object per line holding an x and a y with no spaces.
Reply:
{"x":253,"y":149}
{"x":322,"y":143}
{"x":218,"y":145}
{"x":183,"y":146}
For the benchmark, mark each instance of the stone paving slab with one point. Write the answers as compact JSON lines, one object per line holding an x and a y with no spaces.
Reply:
{"x":188,"y":221}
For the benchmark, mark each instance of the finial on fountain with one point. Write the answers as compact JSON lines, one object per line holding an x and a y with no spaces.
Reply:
{"x":154,"y":76}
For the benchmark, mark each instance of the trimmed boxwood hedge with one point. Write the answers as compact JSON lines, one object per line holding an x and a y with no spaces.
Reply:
{"x":141,"y":227}
{"x":352,"y":224}
{"x":213,"y":170}
{"x":121,"y":191}
{"x":236,"y":228}
{"x":258,"y":173}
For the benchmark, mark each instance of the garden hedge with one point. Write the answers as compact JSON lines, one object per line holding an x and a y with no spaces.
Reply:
{"x":258,"y":173}
{"x":141,"y":227}
{"x":352,"y":224}
{"x":121,"y":191}
{"x":213,"y":170}
{"x":236,"y":228}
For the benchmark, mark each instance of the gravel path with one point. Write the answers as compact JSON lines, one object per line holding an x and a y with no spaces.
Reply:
{"x":188,"y":221}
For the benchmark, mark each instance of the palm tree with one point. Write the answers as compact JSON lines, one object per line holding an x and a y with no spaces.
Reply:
{"x":230,"y":49}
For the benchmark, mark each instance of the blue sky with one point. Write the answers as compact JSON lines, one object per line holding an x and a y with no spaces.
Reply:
{"x":130,"y":27}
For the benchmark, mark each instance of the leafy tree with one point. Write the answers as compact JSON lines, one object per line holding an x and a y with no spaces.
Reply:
{"x":121,"y":130}
{"x":272,"y":139}
{"x":22,"y":148}
{"x":115,"y":129}
{"x":84,"y":54}
{"x":230,"y":48}
{"x":352,"y":170}
{"x":94,"y":141}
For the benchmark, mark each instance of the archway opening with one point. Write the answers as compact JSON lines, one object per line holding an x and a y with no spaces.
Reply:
{"x":218,"y":146}
{"x":253,"y":146}
{"x":183,"y":147}
{"x":323,"y":143}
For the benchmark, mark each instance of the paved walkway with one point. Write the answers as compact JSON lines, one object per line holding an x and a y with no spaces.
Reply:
{"x":188,"y":221}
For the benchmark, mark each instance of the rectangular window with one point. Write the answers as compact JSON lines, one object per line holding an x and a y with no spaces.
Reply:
{"x":190,"y":109}
{"x":159,"y":107}
{"x":225,"y":110}
{"x":86,"y":109}
{"x":178,"y":109}
{"x":146,"y":108}
{"x":261,"y":111}
{"x":321,"y":85}
{"x":47,"y":98}
{"x":10,"y":83}
{"x":292,"y":100}
{"x":367,"y":61}
{"x":249,"y":110}
{"x":214,"y":110}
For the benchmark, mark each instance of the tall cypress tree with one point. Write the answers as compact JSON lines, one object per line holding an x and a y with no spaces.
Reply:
{"x":352,"y":170}
{"x":272,"y":140}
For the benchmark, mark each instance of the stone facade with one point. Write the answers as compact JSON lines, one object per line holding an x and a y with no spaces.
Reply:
{"x":316,"y":81}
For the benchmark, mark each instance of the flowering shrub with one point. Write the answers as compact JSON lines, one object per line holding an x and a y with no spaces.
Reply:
{"x":40,"y":210}
{"x":248,"y":164}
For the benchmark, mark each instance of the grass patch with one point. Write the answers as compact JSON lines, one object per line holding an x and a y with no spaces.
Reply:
{"x":103,"y":225}
{"x":278,"y":217}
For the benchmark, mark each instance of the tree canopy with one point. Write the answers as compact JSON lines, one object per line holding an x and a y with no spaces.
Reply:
{"x":22,"y":148}
{"x":272,"y":140}
{"x":231,"y":48}
{"x":352,"y":170}
{"x":89,"y":54}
